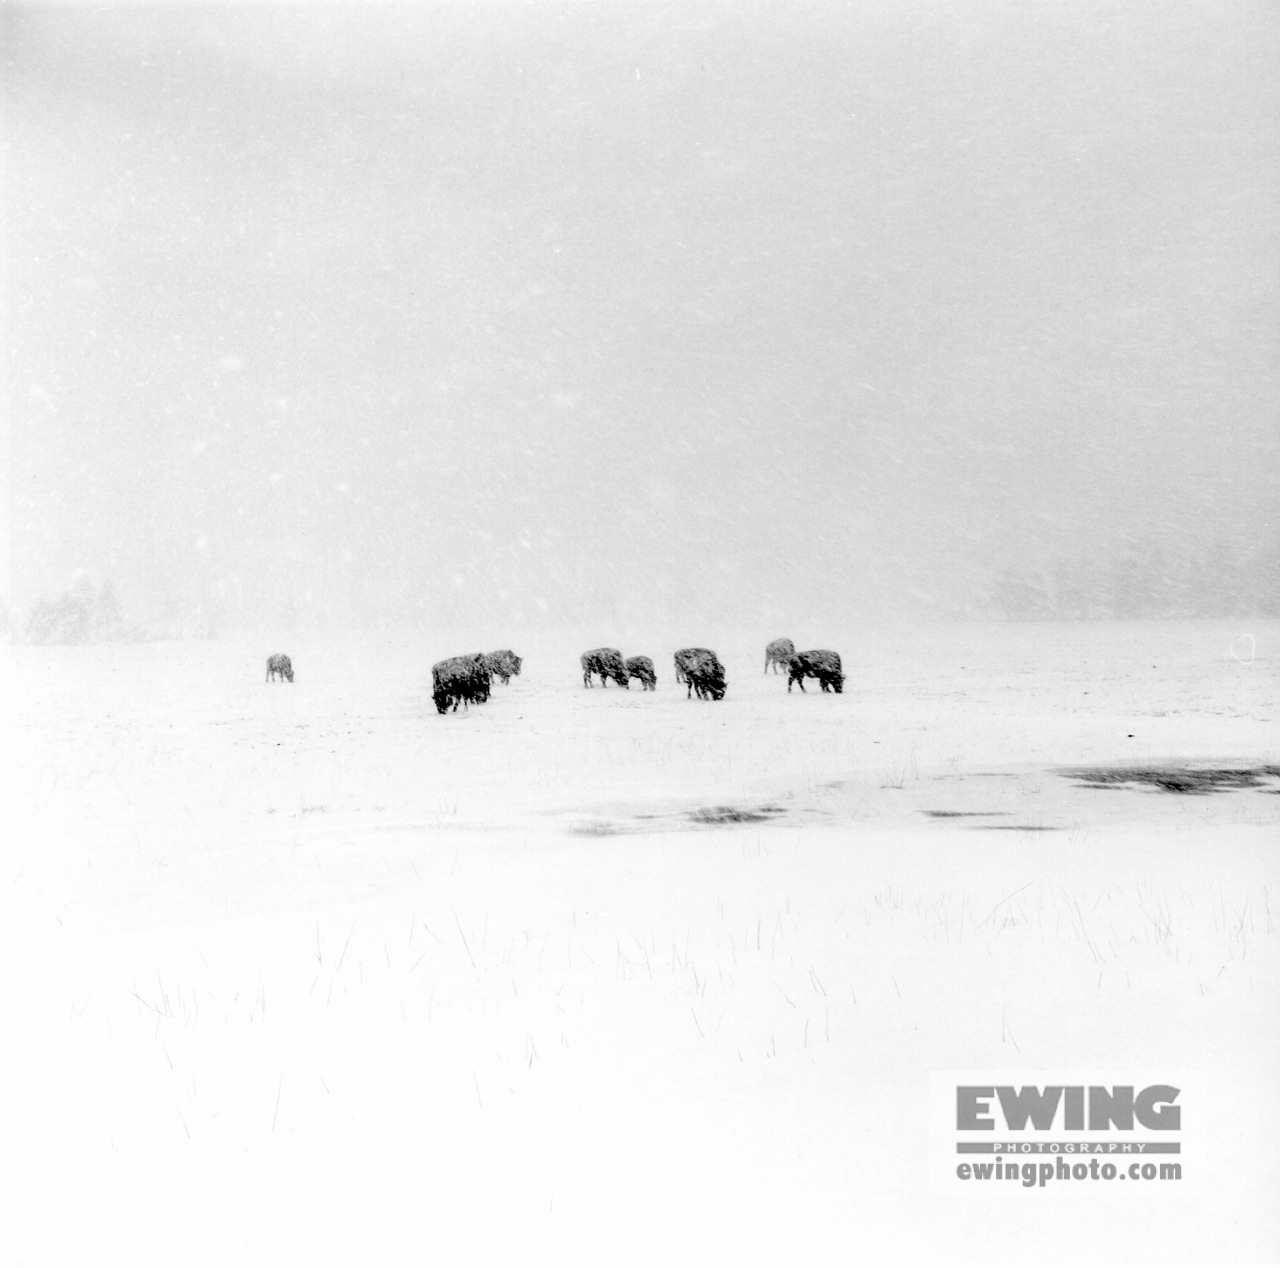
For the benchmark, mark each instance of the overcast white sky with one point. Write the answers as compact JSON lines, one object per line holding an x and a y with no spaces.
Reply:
{"x":575,"y":308}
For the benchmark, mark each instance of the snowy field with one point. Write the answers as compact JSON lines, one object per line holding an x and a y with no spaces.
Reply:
{"x":309,"y":973}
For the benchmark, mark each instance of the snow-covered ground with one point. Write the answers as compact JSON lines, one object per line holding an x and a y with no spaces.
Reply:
{"x":309,"y":973}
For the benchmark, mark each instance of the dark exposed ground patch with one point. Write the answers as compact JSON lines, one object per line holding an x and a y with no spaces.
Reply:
{"x":1175,"y":779}
{"x":1012,"y":827}
{"x":596,"y":829}
{"x":849,"y":801}
{"x":734,"y":814}
{"x":627,"y":822}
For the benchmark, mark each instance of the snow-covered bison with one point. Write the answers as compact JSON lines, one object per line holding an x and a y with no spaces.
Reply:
{"x":686,"y":657}
{"x":607,"y":662}
{"x":641,"y":667}
{"x":504,"y":664}
{"x":779,"y":652}
{"x":702,"y":670}
{"x":279,"y":666}
{"x":822,"y":665}
{"x":459,"y":680}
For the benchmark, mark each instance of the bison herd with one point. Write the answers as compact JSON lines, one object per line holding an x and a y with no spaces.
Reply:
{"x":467,"y":680}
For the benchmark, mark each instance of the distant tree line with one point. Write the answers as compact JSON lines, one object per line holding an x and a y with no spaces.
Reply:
{"x":1145,"y":580}
{"x":78,"y":615}
{"x":1221,"y":576}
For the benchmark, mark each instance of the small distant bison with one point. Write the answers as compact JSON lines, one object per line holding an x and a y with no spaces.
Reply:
{"x":280,"y":666}
{"x":641,"y":667}
{"x":822,"y":665}
{"x":702,"y":670}
{"x":779,"y":652}
{"x":459,"y":680}
{"x":607,"y":662}
{"x":504,"y":664}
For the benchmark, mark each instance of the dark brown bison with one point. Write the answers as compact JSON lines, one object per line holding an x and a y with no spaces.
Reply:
{"x":279,"y":666}
{"x":702,"y":670}
{"x":779,"y":652}
{"x":688,"y":656}
{"x":607,"y":662}
{"x":504,"y":664}
{"x":822,"y":665}
{"x":459,"y":680}
{"x":641,"y":667}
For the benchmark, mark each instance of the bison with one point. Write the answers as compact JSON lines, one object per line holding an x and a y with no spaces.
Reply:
{"x":702,"y":670}
{"x":779,"y":652}
{"x":279,"y":666}
{"x":641,"y":667}
{"x":459,"y":680}
{"x":607,"y":662}
{"x":504,"y":664}
{"x":686,"y":657}
{"x":822,"y":665}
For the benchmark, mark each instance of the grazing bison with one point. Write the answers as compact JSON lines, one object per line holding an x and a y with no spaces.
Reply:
{"x":280,"y":666}
{"x":687,"y":657}
{"x":702,"y":670}
{"x":459,"y":680}
{"x":822,"y":665}
{"x":641,"y":667}
{"x":504,"y":664}
{"x":779,"y":652}
{"x":607,"y":662}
